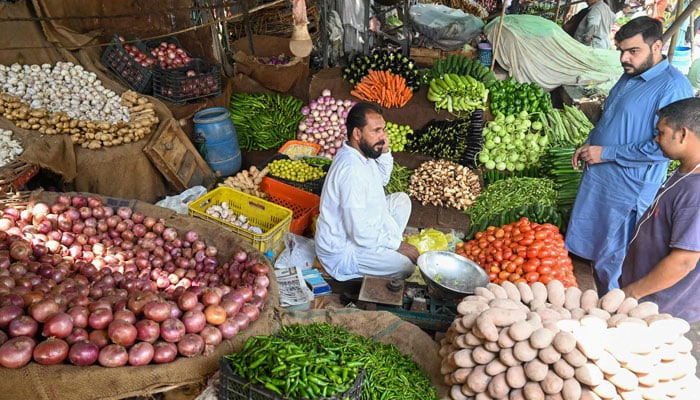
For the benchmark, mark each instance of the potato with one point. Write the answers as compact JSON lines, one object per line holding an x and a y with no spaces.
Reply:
{"x":572,"y":298}
{"x":460,"y":375}
{"x":564,"y":342}
{"x":563,"y":369}
{"x":466,"y":390}
{"x":508,"y":304}
{"x":493,"y":317}
{"x":516,"y":394}
{"x":612,"y":300}
{"x":482,"y":356}
{"x":587,"y":394}
{"x":478,"y":380}
{"x":644,"y":310}
{"x":575,"y":358}
{"x":555,"y":396}
{"x":556,"y":294}
{"x":549,"y":355}
{"x":445,"y":367}
{"x":615,"y":319}
{"x":511,"y":291}
{"x":483,"y":396}
{"x":484,"y":292}
{"x":577,"y":313}
{"x":473,"y":340}
{"x":599,"y":313}
{"x":526,"y":294}
{"x":456,"y":393}
{"x":657,"y":317}
{"x":463,"y":359}
{"x":466,"y":307}
{"x":458,"y":327}
{"x":497,"y":291}
{"x":630,"y":395}
{"x":524,"y":352}
{"x":591,"y":321}
{"x":447,"y":380}
{"x":568,"y":325}
{"x":589,"y":374}
{"x":589,"y":300}
{"x":533,"y":391}
{"x":539,"y":294}
{"x":589,"y":343}
{"x":639,"y":364}
{"x":477,"y":298}
{"x":521,"y":330}
{"x":552,"y":383}
{"x":498,"y":388}
{"x":670,"y":327}
{"x":495,"y":367}
{"x":507,"y":358}
{"x":624,"y":379}
{"x":477,"y":332}
{"x":492,"y":346}
{"x":461,"y":341}
{"x":605,"y":390}
{"x":515,"y":377}
{"x":682,"y":345}
{"x":652,"y":392}
{"x":541,"y":338}
{"x":445,"y":350}
{"x":571,"y":389}
{"x":563,"y":312}
{"x":547,"y":314}
{"x":670,"y":388}
{"x":534,"y":319}
{"x":627,"y":304}
{"x":536,"y":370}
{"x":504,"y":339}
{"x":607,"y":363}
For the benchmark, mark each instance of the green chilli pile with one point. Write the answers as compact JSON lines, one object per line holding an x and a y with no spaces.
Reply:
{"x":265,"y":121}
{"x":398,"y":181}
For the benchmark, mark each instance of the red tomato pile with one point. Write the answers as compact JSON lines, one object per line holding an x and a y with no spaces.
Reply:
{"x":523,"y":251}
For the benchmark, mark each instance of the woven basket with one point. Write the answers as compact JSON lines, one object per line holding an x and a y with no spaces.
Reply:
{"x":15,"y":175}
{"x":276,"y":21}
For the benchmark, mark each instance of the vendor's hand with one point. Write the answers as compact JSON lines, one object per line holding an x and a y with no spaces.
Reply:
{"x":387,"y":145}
{"x":409,"y":251}
{"x":592,"y":154}
{"x":577,"y":156}
{"x":629,"y":292}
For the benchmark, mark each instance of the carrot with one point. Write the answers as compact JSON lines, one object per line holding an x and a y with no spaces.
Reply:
{"x":384,"y":88}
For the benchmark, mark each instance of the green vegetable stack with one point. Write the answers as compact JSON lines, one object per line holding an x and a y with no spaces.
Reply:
{"x":460,"y":65}
{"x":398,"y":135}
{"x":265,"y":121}
{"x":383,"y":60}
{"x":388,"y":373}
{"x":557,"y":164}
{"x":459,"y":140}
{"x":510,"y":97}
{"x":568,"y":127}
{"x":294,"y":370}
{"x":494,"y":175}
{"x":457,"y":93}
{"x":508,"y":200}
{"x":512,"y":143}
{"x":296,"y":171}
{"x":398,"y":181}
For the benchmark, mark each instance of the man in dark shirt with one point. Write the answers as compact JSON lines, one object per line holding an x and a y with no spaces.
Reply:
{"x":662,"y":260}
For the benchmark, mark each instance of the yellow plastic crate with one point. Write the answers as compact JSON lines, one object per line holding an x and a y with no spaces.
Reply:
{"x":274,"y":220}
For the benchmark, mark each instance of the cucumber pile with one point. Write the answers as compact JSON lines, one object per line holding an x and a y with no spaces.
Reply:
{"x":460,"y":65}
{"x":567,"y":127}
{"x":460,"y":93}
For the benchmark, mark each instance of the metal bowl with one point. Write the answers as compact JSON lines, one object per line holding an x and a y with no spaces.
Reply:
{"x":450,"y":276}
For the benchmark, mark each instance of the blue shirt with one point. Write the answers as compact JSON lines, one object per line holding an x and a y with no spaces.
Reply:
{"x":633,"y":166}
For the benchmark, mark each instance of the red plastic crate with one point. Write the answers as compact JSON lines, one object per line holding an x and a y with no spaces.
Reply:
{"x":304,"y":205}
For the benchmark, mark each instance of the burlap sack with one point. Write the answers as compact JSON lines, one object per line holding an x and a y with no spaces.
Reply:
{"x":66,"y":382}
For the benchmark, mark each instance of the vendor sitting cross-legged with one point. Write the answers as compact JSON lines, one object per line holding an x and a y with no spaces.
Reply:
{"x":359,"y":231}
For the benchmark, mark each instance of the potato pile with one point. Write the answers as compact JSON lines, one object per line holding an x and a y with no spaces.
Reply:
{"x":247,"y":181}
{"x":546,"y":342}
{"x":88,"y":134}
{"x":444,"y":183}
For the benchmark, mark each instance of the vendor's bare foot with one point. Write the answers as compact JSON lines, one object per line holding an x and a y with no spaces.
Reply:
{"x":409,"y":251}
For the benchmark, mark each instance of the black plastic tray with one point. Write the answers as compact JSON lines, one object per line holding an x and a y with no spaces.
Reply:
{"x":117,"y":59}
{"x":170,"y":84}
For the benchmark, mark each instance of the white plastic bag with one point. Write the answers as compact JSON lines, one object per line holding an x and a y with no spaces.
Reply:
{"x":180,"y":202}
{"x":299,"y":252}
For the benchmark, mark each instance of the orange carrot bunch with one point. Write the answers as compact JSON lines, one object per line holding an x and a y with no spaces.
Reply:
{"x":384,"y":88}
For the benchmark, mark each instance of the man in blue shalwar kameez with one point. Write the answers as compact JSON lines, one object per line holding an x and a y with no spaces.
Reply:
{"x":623,"y":166}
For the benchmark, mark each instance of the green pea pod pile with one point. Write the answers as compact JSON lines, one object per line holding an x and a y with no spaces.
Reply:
{"x":398,"y":181}
{"x":388,"y":373}
{"x":510,"y":199}
{"x":265,"y":121}
{"x":567,"y":127}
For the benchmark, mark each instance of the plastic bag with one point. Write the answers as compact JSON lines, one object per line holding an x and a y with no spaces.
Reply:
{"x":180,"y":202}
{"x":429,"y":240}
{"x":299,"y":252}
{"x":447,"y":28}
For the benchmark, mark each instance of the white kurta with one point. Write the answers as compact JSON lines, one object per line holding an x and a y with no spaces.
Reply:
{"x":359,"y":228}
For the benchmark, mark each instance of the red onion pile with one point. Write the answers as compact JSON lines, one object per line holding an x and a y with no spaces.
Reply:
{"x":192,"y":85}
{"x":170,"y":56}
{"x":85,"y":284}
{"x":139,"y":56}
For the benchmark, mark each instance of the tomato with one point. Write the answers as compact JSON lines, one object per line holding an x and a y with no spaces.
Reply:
{"x":497,"y":244}
{"x":530,"y":266}
{"x":544,"y":270}
{"x":479,"y":235}
{"x":537,"y":244}
{"x":519,"y":270}
{"x":490,"y":238}
{"x":510,"y":267}
{"x":545,"y":279}
{"x":490,"y":229}
{"x":513,"y":277}
{"x":548,"y":262}
{"x":532,"y":277}
{"x":524,"y":220}
{"x":507,"y":253}
{"x":483,"y":244}
{"x":521,"y":250}
{"x":521,"y":280}
{"x":544,"y":252}
{"x":503,"y":275}
{"x":526,"y":241}
{"x":518,"y":261}
{"x":498,"y":256}
{"x":492,"y":276}
{"x":499,"y":233}
{"x":476,"y":252}
{"x":532,"y":253}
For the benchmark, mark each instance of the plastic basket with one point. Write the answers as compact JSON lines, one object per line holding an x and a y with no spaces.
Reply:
{"x":175,"y":86}
{"x":152,"y":44}
{"x":233,"y":387}
{"x":303,"y":204}
{"x":274,"y":220}
{"x":117,"y":59}
{"x":295,"y":149}
{"x":315,"y":186}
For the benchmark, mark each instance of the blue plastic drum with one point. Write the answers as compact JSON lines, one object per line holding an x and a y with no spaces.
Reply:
{"x":217,"y":139}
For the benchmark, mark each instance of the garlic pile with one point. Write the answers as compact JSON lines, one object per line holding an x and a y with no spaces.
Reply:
{"x":65,"y":87}
{"x":9,"y":148}
{"x":223,"y":212}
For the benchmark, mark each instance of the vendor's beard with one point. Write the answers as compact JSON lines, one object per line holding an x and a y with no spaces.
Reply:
{"x":369,"y":151}
{"x":646,"y":65}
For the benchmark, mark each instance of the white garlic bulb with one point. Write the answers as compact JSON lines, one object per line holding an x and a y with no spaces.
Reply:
{"x":9,"y":148}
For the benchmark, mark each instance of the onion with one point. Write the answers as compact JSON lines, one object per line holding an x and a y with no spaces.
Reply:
{"x":141,"y":354}
{"x":78,"y":334}
{"x":113,"y":355}
{"x":83,"y":353}
{"x":125,"y":315}
{"x":80,"y":315}
{"x":172,"y":330}
{"x":194,"y":321}
{"x":262,"y":280}
{"x":99,"y":337}
{"x":9,"y":313}
{"x":59,"y":325}
{"x":229,"y":328}
{"x":231,"y":307}
{"x":260,"y":269}
{"x":16,"y":352}
{"x":211,"y":335}
{"x":3,"y":337}
{"x":23,"y":326}
{"x":191,"y":236}
{"x":245,"y":292}
{"x":51,"y":351}
{"x":190,"y":345}
{"x":164,"y":352}
{"x":148,"y":331}
{"x":124,"y":212}
{"x":260,"y":292}
{"x":251,"y":311}
{"x":240,"y":256}
{"x":169,"y":234}
{"x":211,"y":297}
{"x":42,"y":310}
{"x":157,"y":311}
{"x":100,"y":318}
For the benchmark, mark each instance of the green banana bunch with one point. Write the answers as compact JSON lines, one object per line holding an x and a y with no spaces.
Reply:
{"x":457,"y":93}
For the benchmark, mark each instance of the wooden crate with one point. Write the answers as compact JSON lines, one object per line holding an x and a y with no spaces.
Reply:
{"x":426,"y":57}
{"x":174,"y":155}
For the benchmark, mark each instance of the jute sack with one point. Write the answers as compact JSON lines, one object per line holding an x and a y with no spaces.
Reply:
{"x":67,"y":382}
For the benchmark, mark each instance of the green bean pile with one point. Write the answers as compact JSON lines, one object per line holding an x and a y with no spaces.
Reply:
{"x":295,"y":370}
{"x":265,"y":121}
{"x":388,"y":373}
{"x":398,"y":182}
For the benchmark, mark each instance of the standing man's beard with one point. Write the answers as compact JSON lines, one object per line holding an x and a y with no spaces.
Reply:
{"x":369,"y":151}
{"x":646,"y":65}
